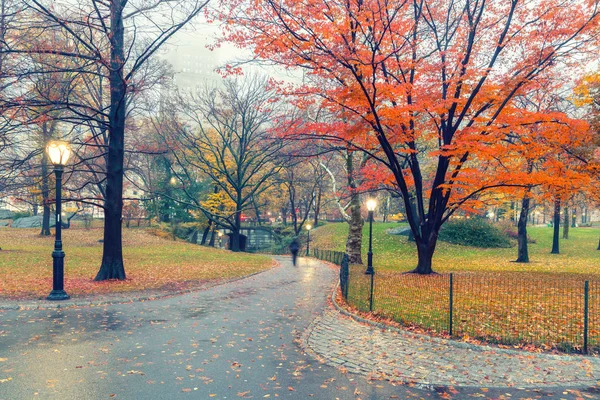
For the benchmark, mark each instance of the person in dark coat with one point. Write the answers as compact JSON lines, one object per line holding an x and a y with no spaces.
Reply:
{"x":294,"y":248}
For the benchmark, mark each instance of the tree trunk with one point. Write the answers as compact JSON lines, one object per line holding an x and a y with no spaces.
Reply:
{"x":523,"y":252}
{"x":112,"y":257}
{"x":317,"y":208}
{"x":235,"y":232}
{"x":566,"y":223}
{"x":256,"y":211}
{"x":45,"y":186}
{"x":386,"y":208}
{"x":206,"y":232}
{"x":356,"y":222}
{"x":293,"y":212}
{"x":555,"y":247}
{"x":598,"y":245}
{"x":211,"y":242}
{"x":425,"y":252}
{"x":354,"y":241}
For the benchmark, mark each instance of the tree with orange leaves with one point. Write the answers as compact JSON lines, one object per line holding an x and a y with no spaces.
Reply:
{"x":432,"y":82}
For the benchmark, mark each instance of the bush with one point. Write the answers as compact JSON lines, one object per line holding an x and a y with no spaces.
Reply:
{"x":510,"y":230}
{"x":475,"y":232}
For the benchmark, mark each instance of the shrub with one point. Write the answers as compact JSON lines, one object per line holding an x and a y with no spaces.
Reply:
{"x":475,"y":232}
{"x":160,"y":233}
{"x":510,"y":230}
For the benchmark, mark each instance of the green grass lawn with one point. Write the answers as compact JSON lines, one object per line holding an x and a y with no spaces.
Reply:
{"x":495,"y":299}
{"x":578,"y":254}
{"x":150,"y":263}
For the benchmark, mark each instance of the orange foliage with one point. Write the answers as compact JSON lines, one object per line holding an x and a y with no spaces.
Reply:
{"x":430,"y":88}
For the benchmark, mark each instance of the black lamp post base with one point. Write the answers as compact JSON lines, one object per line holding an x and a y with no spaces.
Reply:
{"x":57,"y":295}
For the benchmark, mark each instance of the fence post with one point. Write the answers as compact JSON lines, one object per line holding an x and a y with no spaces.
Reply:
{"x":450,"y":328}
{"x":586,"y":297}
{"x":344,"y":275}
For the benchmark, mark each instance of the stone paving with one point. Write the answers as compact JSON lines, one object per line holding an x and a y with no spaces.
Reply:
{"x":427,"y":361}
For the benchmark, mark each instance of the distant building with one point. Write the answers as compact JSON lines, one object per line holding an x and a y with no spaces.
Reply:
{"x":195,"y":65}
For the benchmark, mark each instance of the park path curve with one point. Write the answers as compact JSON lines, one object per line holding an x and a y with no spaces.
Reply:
{"x":243,"y":339}
{"x":407,"y":357}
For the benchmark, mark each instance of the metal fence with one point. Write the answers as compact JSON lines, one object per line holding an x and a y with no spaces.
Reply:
{"x":550,"y":311}
{"x":335,"y":257}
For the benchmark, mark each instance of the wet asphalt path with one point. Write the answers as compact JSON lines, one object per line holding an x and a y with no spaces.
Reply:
{"x":238,"y":340}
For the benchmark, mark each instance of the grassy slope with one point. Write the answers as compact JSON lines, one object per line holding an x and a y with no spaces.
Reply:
{"x":578,"y":253}
{"x":150,"y":263}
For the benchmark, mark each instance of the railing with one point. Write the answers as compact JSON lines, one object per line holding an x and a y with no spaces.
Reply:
{"x":335,"y":257}
{"x":549,"y":311}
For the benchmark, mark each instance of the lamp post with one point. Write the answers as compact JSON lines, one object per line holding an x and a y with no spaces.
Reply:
{"x":371,"y":204}
{"x":58,"y":152}
{"x":308,"y":228}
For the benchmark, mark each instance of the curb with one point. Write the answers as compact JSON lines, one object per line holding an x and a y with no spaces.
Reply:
{"x":304,"y":345}
{"x":47,"y":305}
{"x":455,"y":343}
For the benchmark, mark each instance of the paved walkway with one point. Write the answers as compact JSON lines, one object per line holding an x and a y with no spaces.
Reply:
{"x":240,"y":340}
{"x":428,"y":361}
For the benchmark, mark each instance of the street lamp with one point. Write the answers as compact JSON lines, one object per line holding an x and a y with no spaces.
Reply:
{"x":308,"y":228}
{"x":371,"y":204}
{"x":59,"y":153}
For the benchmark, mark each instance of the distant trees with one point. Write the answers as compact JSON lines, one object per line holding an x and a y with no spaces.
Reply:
{"x":228,"y":136}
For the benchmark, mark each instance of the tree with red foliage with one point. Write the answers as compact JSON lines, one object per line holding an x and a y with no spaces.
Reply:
{"x":432,"y":82}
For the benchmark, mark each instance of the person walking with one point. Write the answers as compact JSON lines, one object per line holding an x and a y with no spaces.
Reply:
{"x":294,"y":248}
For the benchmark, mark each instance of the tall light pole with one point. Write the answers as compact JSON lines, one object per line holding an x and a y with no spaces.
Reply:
{"x":371,"y":204}
{"x":308,"y":228}
{"x":59,"y":153}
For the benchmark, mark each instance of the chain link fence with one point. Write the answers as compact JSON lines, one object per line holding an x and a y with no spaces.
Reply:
{"x":553,"y":311}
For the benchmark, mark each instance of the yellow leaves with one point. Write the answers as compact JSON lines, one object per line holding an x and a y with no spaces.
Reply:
{"x":219,"y":204}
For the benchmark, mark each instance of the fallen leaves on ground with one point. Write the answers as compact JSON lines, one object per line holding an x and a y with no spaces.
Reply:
{"x":151,"y":263}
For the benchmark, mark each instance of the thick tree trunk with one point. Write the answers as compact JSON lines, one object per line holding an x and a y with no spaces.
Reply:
{"x":523,"y":252}
{"x":566,"y":223}
{"x":356,"y":222}
{"x":425,"y":252}
{"x":598,"y":245}
{"x":354,"y":241}
{"x":235,"y":232}
{"x":112,"y":257}
{"x":555,"y":239}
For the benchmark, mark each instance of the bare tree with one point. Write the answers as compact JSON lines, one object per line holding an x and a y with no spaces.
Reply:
{"x":109,"y":41}
{"x":228,"y":136}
